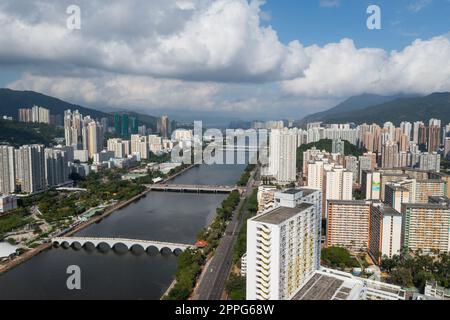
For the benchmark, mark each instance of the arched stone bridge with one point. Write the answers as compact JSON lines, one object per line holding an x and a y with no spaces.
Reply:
{"x":129,"y":243}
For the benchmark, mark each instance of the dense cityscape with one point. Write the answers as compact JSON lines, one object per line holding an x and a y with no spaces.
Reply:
{"x":340,"y":211}
{"x":225,"y":158}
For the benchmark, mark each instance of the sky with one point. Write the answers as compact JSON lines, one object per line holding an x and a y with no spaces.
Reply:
{"x":241,"y":59}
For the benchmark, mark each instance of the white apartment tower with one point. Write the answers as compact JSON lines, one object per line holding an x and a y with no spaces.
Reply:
{"x":32,"y":162}
{"x":7,"y":170}
{"x":283,"y":247}
{"x":283,"y":155}
{"x":385,"y":232}
{"x":339,"y":184}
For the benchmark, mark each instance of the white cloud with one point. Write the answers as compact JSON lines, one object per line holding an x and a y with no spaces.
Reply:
{"x":330,"y":3}
{"x":342,"y":70}
{"x":189,"y":53}
{"x":418,"y":5}
{"x":212,"y":40}
{"x":124,"y":91}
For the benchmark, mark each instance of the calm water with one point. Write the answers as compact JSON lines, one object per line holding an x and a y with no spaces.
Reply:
{"x":172,"y":217}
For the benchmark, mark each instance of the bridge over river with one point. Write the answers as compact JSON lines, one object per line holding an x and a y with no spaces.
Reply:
{"x":129,"y":243}
{"x":192,"y":188}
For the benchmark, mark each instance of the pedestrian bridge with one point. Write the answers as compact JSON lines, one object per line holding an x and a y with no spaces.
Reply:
{"x":192,"y":188}
{"x":129,"y":243}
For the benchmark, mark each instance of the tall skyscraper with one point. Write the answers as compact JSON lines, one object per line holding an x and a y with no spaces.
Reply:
{"x":94,"y":138}
{"x":125,"y":130}
{"x":56,"y":167}
{"x":385,"y":232}
{"x":35,"y":114}
{"x":7,"y":170}
{"x":283,"y":249}
{"x":339,"y":184}
{"x":447,"y":148}
{"x":117,"y":124}
{"x":32,"y":163}
{"x":139,"y":144}
{"x":163,"y":127}
{"x":434,"y":138}
{"x":283,"y":155}
{"x":390,"y":155}
{"x":430,"y":162}
{"x":73,"y":128}
{"x":338,"y":147}
{"x":134,"y":125}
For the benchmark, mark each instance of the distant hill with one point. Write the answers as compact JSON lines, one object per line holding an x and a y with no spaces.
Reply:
{"x":12,"y":100}
{"x":351,"y":104}
{"x":19,"y":133}
{"x":436,"y":105}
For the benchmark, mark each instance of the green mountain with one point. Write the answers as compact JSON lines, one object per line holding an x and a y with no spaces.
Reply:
{"x":19,"y":133}
{"x":11,"y":101}
{"x":351,"y":104}
{"x":436,"y":105}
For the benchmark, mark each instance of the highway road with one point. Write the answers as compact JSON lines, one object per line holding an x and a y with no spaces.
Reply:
{"x":213,"y":281}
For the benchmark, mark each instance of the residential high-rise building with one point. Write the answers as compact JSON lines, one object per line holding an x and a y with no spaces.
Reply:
{"x":434,"y":138}
{"x":338,"y":147}
{"x":426,"y":227}
{"x":32,"y":163}
{"x":385,"y":232}
{"x":25,"y":115}
{"x":348,"y":224}
{"x":390,"y":155}
{"x":371,"y":184}
{"x":94,"y":138}
{"x":163,"y":127}
{"x":139,"y":144}
{"x":73,"y":124}
{"x":424,"y":189}
{"x":283,"y":251}
{"x":430,"y":162}
{"x":447,"y":148}
{"x":396,"y":194}
{"x":283,"y":155}
{"x":7,"y":170}
{"x":35,"y":114}
{"x":352,"y":165}
{"x":339,"y":184}
{"x":56,"y":167}
{"x":40,"y":115}
{"x":121,"y":148}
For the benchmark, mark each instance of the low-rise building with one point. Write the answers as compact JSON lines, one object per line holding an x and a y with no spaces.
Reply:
{"x":7,"y":203}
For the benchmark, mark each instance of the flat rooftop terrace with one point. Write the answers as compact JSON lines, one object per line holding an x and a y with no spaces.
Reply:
{"x":281,"y":214}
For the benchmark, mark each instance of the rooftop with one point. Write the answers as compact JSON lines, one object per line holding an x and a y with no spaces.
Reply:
{"x":322,"y":287}
{"x":305,"y":191}
{"x":351,"y":202}
{"x":387,"y":210}
{"x":281,"y":214}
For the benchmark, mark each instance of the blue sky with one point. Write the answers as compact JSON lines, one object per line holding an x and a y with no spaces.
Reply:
{"x":220,"y":57}
{"x":402,"y":21}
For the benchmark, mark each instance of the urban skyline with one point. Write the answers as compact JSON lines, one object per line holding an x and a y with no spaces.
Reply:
{"x":247,"y":151}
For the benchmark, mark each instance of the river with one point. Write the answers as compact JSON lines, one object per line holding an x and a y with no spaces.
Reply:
{"x":168,"y":217}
